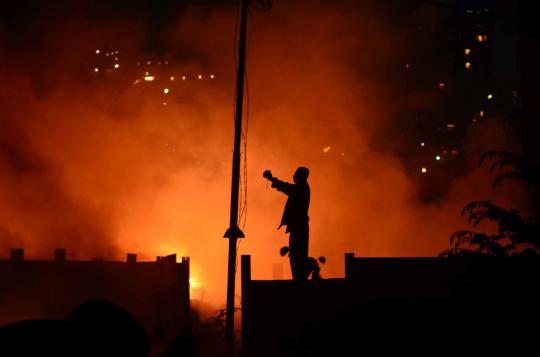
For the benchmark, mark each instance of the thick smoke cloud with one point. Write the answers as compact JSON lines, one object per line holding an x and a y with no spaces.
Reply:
{"x":101,"y":167}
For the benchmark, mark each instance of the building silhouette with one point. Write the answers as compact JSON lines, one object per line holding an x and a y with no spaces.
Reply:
{"x":156,"y":293}
{"x":395,"y":305}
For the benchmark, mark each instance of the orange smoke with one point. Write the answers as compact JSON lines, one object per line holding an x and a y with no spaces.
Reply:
{"x":103,"y":171}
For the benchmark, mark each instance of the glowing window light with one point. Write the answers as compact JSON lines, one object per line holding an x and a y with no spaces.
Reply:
{"x":438,"y":158}
{"x":98,"y":52}
{"x":165,"y":104}
{"x":482,"y":113}
{"x":490,"y":96}
{"x":326,"y":149}
{"x":467,"y":65}
{"x":407,"y":66}
{"x":467,"y":51}
{"x":422,"y":144}
{"x":423,"y":170}
{"x":212,"y":76}
{"x":166,"y":90}
{"x":172,"y":78}
{"x":148,"y":62}
{"x":442,"y":85}
{"x":149,"y":78}
{"x":183,"y":78}
{"x":199,"y":76}
{"x":96,"y":69}
{"x":451,"y":126}
{"x":116,"y":65}
{"x":481,"y":38}
{"x":116,"y":58}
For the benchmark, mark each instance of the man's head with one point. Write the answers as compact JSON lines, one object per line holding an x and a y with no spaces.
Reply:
{"x":301,"y":174}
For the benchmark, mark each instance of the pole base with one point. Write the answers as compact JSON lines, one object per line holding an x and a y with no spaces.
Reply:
{"x":234,"y":232}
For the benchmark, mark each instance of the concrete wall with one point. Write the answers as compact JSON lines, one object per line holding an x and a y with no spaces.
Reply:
{"x":155,"y":293}
{"x":393,"y":305}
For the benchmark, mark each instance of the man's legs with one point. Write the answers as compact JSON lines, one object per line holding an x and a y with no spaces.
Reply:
{"x":298,"y":252}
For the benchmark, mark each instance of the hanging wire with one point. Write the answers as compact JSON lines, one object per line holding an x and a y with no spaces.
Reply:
{"x":263,"y":5}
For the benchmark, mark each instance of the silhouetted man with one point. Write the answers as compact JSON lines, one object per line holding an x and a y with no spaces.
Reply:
{"x":295,"y":217}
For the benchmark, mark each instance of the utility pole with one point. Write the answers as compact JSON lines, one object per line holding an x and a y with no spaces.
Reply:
{"x":234,"y":232}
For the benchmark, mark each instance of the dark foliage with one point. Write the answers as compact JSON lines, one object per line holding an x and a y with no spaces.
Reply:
{"x":506,"y":165}
{"x":514,"y":234}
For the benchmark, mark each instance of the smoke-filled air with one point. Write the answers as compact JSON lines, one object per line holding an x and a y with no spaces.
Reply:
{"x":104,"y":152}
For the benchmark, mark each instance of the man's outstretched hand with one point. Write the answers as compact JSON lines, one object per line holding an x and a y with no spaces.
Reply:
{"x":267,"y":174}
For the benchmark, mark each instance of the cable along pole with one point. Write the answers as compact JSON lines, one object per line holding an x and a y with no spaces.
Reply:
{"x":233,"y":233}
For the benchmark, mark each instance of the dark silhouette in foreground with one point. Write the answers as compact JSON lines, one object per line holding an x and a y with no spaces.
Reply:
{"x":397,"y":306}
{"x":295,"y":217}
{"x":94,"y":328}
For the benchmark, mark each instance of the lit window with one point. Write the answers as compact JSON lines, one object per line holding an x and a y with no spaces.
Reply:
{"x":490,"y":96}
{"x":166,"y":90}
{"x":467,"y":51}
{"x":149,"y":78}
{"x":199,"y":76}
{"x":467,"y":65}
{"x":481,"y":38}
{"x":438,"y":158}
{"x":97,"y":52}
{"x":423,"y":170}
{"x":116,"y":65}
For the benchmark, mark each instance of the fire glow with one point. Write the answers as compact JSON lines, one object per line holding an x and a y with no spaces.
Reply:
{"x":92,"y":175}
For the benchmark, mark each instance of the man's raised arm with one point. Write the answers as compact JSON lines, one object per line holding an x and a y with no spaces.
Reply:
{"x":285,"y":187}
